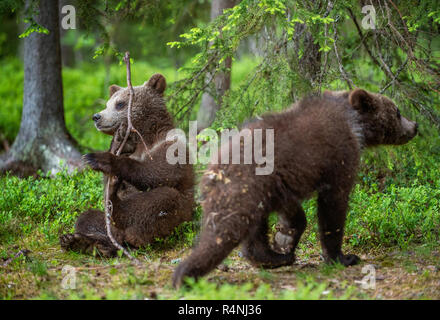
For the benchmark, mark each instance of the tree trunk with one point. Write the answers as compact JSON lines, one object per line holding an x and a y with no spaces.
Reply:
{"x":43,"y":140}
{"x":222,"y":80}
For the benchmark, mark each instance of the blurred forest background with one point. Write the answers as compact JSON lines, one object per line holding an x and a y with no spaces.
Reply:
{"x":224,"y":61}
{"x":259,"y":56}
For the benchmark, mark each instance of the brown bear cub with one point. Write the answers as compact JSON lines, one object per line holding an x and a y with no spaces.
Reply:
{"x":150,"y":197}
{"x":317,"y":147}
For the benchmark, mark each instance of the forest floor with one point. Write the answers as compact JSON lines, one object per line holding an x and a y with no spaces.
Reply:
{"x":43,"y":272}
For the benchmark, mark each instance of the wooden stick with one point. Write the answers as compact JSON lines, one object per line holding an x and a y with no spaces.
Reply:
{"x":108,"y":203}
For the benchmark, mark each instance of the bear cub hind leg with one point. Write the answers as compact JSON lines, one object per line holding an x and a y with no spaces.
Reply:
{"x":256,"y":248}
{"x":291,"y":226}
{"x":90,"y":235}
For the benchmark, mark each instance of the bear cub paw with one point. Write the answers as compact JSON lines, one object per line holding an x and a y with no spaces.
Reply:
{"x":348,"y":259}
{"x":100,"y":161}
{"x":71,"y":241}
{"x":283,"y":240}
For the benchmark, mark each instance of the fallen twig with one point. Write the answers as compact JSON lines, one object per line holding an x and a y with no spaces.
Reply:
{"x":23,"y":252}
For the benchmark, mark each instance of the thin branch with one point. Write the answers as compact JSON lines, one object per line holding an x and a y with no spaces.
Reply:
{"x":401,"y":18}
{"x":395,"y":76}
{"x":193,"y":98}
{"x":194,"y":77}
{"x":338,"y":58}
{"x":324,"y":66}
{"x":361,"y":35}
{"x":396,"y":32}
{"x":130,"y":128}
{"x":328,"y":9}
{"x":385,"y":67}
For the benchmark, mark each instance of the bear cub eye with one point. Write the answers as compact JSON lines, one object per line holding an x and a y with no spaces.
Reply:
{"x":120,"y":105}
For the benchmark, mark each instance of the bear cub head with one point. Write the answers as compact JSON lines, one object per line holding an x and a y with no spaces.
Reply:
{"x":148,"y":99}
{"x":378,"y":116}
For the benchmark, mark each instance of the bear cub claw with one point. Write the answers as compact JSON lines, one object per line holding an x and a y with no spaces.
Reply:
{"x":66,"y":240}
{"x":71,"y":241}
{"x":81,"y":243}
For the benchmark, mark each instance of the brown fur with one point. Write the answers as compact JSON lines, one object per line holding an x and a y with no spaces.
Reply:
{"x":317,"y":148}
{"x":150,"y":197}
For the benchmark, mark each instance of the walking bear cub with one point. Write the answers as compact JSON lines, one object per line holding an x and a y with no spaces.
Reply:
{"x":150,"y":197}
{"x":317,"y":146}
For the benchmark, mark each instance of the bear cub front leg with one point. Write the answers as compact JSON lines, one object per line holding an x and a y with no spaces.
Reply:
{"x":101,"y":161}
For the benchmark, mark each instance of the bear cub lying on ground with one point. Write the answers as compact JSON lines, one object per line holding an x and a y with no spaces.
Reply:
{"x":317,"y":148}
{"x":150,"y":197}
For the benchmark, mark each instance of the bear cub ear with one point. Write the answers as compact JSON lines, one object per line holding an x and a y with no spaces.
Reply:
{"x":361,"y":100}
{"x":112,"y":89}
{"x":157,"y":82}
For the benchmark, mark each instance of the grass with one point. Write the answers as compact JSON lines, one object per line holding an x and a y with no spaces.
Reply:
{"x":393,"y":222}
{"x":396,"y":230}
{"x":412,"y":274}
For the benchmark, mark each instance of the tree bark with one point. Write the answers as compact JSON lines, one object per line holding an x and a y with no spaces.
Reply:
{"x":222,"y":80}
{"x":43,"y":141}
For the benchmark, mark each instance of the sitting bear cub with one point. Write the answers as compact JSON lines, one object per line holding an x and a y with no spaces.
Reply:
{"x":317,"y":145}
{"x":150,"y":197}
